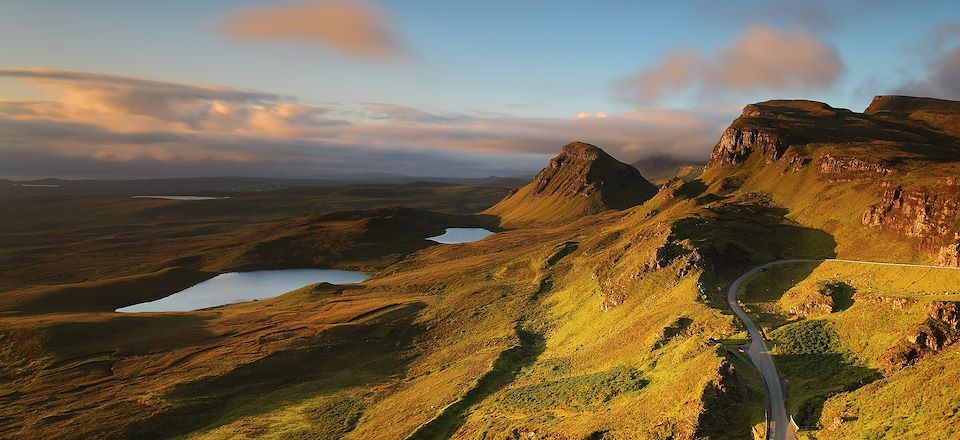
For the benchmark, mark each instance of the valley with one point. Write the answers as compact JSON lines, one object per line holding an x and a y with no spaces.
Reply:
{"x":817,"y":243}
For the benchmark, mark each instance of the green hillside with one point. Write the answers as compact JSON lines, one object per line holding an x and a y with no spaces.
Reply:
{"x":599,"y":313}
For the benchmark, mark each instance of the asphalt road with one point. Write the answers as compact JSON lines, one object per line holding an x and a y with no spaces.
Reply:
{"x":779,"y":422}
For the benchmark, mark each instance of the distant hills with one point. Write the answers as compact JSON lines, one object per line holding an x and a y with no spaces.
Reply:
{"x":661,"y":168}
{"x":581,"y":180}
{"x":206,"y":185}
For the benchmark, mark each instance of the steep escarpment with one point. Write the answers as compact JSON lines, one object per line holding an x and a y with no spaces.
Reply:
{"x":581,"y":180}
{"x":893,"y":167}
{"x":737,"y":143}
{"x":930,"y":214}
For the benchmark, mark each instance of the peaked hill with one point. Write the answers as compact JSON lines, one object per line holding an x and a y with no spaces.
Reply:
{"x":581,"y":180}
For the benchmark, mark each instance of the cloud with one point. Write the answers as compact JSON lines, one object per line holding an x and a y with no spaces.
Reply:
{"x":762,"y":59}
{"x":117,"y":126}
{"x":379,"y":110}
{"x":134,"y":104}
{"x":941,"y":78}
{"x":352,"y":27}
{"x":817,"y":15}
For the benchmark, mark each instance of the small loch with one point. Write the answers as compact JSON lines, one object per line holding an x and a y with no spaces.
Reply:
{"x":461,"y":235}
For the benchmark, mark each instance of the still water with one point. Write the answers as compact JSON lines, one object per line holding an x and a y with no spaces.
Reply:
{"x":179,"y":197}
{"x":236,"y":287}
{"x":461,"y":235}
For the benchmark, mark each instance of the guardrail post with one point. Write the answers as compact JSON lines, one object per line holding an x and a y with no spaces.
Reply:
{"x":766,"y":424}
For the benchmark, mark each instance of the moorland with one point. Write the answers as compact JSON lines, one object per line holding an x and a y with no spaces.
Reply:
{"x":596,"y":311}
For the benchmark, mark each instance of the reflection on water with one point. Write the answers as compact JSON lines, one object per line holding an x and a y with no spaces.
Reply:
{"x":461,"y":235}
{"x":236,"y":287}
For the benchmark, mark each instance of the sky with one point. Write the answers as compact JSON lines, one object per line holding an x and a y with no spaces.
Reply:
{"x":354,"y":88}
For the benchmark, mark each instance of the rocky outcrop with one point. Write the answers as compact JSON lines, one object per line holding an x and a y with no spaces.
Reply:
{"x":941,"y":329}
{"x":830,"y":296}
{"x":930,"y":214}
{"x":612,"y":286}
{"x":736,"y":144}
{"x":720,"y":394}
{"x":671,"y":252}
{"x":814,"y":305}
{"x":847,"y":169}
{"x":948,"y":255}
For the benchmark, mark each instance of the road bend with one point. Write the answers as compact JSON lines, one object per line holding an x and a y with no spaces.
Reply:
{"x":778,"y":427}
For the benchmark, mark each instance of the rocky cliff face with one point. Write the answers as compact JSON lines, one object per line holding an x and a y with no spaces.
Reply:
{"x":941,"y":329}
{"x":847,"y":169}
{"x":930,"y":214}
{"x":895,"y":137}
{"x":736,"y":144}
{"x":770,"y":128}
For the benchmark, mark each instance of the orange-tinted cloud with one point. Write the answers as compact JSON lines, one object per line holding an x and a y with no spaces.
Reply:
{"x":761,"y":59}
{"x":355,"y":28}
{"x":104,"y":124}
{"x":129,"y":104}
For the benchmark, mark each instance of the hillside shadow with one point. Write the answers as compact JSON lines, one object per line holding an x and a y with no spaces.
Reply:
{"x":816,"y":377}
{"x":741,"y":233}
{"x":487,"y":221}
{"x":344,"y":356}
{"x":505,"y":370}
{"x":841,"y":293}
{"x":691,"y":189}
{"x":669,"y":332}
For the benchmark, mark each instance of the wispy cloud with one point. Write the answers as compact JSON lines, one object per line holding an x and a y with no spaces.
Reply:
{"x":761,"y":59}
{"x":106,"y":123}
{"x":941,"y":78}
{"x":816,"y":15}
{"x":352,"y":27}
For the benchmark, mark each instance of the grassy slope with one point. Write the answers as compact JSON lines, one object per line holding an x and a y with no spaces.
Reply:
{"x":609,"y":353}
{"x":830,"y":352}
{"x":581,"y":348}
{"x":834,"y":208}
{"x":459,"y":364}
{"x":290,"y":365}
{"x":524,"y":208}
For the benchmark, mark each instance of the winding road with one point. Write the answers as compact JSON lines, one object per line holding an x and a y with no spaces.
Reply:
{"x":778,"y":425}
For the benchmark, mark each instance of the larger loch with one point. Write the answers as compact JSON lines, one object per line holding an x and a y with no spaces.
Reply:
{"x":237,"y":287}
